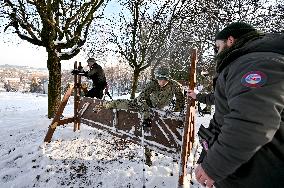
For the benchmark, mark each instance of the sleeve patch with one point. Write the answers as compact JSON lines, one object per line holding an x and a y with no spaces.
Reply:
{"x":254,"y":79}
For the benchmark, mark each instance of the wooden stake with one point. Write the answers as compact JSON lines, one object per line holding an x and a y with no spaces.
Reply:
{"x":76,"y":91}
{"x":188,"y":133}
{"x":78,"y":99}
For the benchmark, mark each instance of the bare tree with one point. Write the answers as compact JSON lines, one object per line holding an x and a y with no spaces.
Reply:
{"x":200,"y":21}
{"x":60,"y":26}
{"x":139,"y":32}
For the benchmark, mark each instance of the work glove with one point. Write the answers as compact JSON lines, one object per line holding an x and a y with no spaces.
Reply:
{"x":75,"y":71}
{"x":79,"y":72}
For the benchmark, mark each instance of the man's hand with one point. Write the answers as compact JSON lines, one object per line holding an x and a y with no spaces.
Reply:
{"x":191,"y":94}
{"x":79,"y":72}
{"x":202,"y":177}
{"x":75,"y":71}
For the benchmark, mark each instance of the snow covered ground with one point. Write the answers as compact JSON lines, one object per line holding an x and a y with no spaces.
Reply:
{"x":87,"y":158}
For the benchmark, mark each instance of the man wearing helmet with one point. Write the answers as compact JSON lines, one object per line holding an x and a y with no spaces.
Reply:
{"x":158,"y":93}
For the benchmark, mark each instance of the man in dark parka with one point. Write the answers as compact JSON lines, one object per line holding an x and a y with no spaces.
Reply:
{"x":96,"y":73}
{"x":248,"y":151}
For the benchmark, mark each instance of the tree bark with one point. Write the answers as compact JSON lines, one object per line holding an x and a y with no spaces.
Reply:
{"x":134,"y":83}
{"x":54,"y":85}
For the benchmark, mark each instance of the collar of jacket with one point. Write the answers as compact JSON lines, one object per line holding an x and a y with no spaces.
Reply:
{"x":93,"y":66}
{"x":224,"y":58}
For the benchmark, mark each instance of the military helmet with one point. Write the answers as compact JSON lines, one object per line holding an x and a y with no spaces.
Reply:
{"x":162,"y":73}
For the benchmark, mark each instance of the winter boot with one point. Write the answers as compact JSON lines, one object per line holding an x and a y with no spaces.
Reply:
{"x":148,"y":156}
{"x":147,"y":125}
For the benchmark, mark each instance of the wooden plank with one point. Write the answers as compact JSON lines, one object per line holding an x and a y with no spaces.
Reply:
{"x":65,"y":121}
{"x":188,"y":135}
{"x":78,"y":98}
{"x":163,"y":136}
{"x":56,"y":119}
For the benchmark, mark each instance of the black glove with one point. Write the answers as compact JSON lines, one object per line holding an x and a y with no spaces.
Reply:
{"x":75,"y":71}
{"x":78,"y":72}
{"x":147,"y":123}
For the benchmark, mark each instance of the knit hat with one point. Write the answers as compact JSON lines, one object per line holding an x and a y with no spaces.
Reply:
{"x":162,"y":73}
{"x":91,"y":61}
{"x":236,"y":30}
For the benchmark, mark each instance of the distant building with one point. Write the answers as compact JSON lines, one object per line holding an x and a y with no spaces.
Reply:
{"x":12,"y":80}
{"x":2,"y":86}
{"x":45,"y":87}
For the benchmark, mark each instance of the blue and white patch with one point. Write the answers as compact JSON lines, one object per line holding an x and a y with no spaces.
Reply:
{"x":254,"y":79}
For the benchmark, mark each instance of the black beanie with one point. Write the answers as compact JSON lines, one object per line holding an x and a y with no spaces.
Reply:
{"x":236,"y":30}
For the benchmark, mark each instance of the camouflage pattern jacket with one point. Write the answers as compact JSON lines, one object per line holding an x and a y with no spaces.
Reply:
{"x":159,"y":97}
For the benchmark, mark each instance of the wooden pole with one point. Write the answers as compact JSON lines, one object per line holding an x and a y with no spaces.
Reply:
{"x":76,"y":119}
{"x":76,"y":98}
{"x":56,"y":118}
{"x":188,"y":132}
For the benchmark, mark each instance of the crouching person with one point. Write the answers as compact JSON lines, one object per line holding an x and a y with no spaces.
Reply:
{"x":158,"y":93}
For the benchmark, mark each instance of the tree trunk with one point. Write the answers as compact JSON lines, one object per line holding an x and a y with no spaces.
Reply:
{"x":54,"y":85}
{"x":134,"y":83}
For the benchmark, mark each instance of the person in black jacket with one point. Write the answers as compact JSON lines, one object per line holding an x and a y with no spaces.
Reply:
{"x":96,"y":73}
{"x":246,"y":147}
{"x":205,"y":98}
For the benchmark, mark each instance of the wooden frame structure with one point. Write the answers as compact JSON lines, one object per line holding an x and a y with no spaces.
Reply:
{"x":188,"y":133}
{"x":76,"y":88}
{"x":170,"y":135}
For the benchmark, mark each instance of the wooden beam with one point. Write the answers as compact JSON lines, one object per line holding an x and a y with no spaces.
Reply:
{"x":188,"y":132}
{"x":66,"y":121}
{"x":76,"y":91}
{"x":56,"y":119}
{"x":78,"y":100}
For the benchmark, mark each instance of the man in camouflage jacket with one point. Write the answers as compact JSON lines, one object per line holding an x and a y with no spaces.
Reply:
{"x":158,"y":93}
